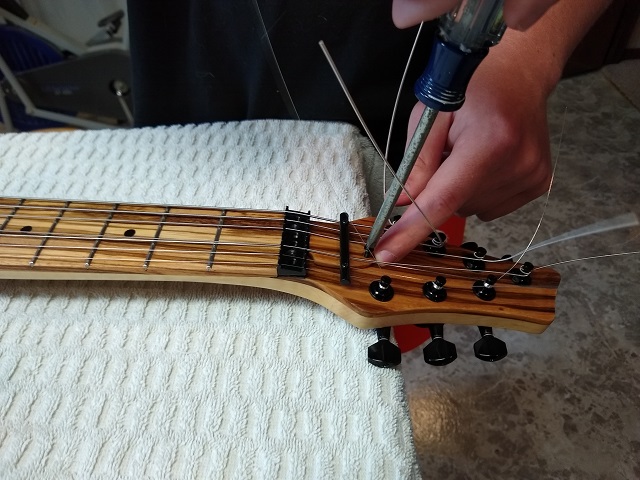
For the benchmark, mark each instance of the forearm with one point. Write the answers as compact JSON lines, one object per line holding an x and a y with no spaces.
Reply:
{"x":547,"y":45}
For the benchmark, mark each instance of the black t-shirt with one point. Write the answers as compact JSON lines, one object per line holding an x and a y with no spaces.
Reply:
{"x":199,"y":61}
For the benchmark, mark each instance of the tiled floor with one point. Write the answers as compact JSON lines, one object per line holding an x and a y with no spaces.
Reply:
{"x":564,"y":404}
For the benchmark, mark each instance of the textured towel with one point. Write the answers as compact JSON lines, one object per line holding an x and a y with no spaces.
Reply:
{"x":143,"y":380}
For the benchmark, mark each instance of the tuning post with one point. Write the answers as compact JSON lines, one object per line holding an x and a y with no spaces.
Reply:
{"x":522,"y":276}
{"x":383,"y":353}
{"x":435,"y":290}
{"x":476,"y":261}
{"x":381,"y":289}
{"x":435,"y":244}
{"x":489,"y":348}
{"x":484,"y":288}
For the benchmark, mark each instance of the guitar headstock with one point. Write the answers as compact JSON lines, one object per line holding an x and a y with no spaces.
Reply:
{"x":436,"y":285}
{"x":431,"y":285}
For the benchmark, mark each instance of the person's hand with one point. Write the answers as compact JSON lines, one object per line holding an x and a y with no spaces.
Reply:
{"x":518,"y":14}
{"x":499,"y":151}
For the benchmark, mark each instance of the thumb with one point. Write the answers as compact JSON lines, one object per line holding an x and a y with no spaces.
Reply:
{"x":407,"y":13}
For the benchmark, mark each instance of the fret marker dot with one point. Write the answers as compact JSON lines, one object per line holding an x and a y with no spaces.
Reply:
{"x":26,"y":228}
{"x":129,"y":233}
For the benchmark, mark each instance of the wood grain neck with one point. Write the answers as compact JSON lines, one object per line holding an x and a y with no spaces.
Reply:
{"x":280,"y":250}
{"x":76,"y":236}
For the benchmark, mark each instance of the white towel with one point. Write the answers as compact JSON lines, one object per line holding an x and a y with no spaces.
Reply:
{"x":142,"y":380}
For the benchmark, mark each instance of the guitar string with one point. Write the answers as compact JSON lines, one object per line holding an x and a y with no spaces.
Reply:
{"x":213,"y":225}
{"x":432,"y":269}
{"x":397,"y":102}
{"x":103,"y":239}
{"x":356,"y":259}
{"x":161,"y":251}
{"x":176,"y":241}
{"x":546,"y":200}
{"x":368,"y":132}
{"x":274,"y":219}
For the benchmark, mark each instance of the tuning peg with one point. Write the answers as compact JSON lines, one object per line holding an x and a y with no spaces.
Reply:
{"x":484,"y":288}
{"x":383,"y":353}
{"x":522,"y":276}
{"x":469,"y":246}
{"x":435,"y":244}
{"x":489,"y":348}
{"x":475,"y":261}
{"x":435,"y":290}
{"x":381,"y":289}
{"x":439,"y":351}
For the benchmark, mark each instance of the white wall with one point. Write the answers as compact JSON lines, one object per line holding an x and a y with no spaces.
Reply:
{"x":77,"y":19}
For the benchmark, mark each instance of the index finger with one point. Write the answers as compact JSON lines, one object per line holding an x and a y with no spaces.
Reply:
{"x":445,"y":193}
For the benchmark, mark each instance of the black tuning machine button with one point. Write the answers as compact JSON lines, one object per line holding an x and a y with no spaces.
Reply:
{"x":484,"y":288}
{"x":439,"y":351}
{"x":489,"y":348}
{"x":475,"y":261}
{"x":435,"y":290}
{"x":522,"y":275}
{"x":435,"y":244}
{"x":469,"y":246}
{"x":383,"y":353}
{"x":381,"y":289}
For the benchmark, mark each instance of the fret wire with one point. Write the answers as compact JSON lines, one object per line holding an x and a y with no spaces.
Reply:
{"x":214,"y":247}
{"x":47,"y":236}
{"x":87,"y":263}
{"x":12,"y":214}
{"x":152,"y":247}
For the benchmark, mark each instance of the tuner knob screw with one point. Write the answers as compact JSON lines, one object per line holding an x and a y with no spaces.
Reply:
{"x":381,"y":289}
{"x":475,"y":261}
{"x":435,"y":290}
{"x":484,"y":288}
{"x":489,"y":348}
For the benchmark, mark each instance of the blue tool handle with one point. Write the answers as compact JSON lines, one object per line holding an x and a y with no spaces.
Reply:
{"x":464,"y":37}
{"x":444,"y":82}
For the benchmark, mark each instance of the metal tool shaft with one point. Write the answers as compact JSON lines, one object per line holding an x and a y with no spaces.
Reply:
{"x":402,"y":174}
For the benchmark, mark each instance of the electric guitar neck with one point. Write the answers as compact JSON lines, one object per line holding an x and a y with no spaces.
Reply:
{"x":289,"y":251}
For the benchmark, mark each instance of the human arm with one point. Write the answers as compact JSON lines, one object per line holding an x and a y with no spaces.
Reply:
{"x":498,"y":141}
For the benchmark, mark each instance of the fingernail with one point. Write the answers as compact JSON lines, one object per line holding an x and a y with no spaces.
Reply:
{"x":385,"y":256}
